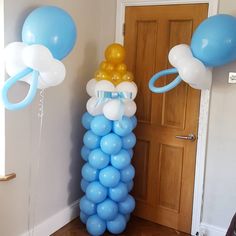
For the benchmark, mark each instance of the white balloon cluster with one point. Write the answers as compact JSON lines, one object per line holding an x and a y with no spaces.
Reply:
{"x":19,"y":56}
{"x":190,"y":69}
{"x":111,"y":108}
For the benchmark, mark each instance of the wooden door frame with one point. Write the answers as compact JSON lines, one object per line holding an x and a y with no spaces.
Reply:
{"x":204,"y":101}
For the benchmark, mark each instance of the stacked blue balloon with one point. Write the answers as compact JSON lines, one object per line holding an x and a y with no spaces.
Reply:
{"x":107,"y":175}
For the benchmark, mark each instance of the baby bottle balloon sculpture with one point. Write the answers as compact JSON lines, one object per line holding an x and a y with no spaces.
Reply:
{"x":48,"y":35}
{"x":213,"y":44}
{"x":107,"y":175}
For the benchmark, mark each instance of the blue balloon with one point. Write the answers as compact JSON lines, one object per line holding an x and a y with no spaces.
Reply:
{"x":95,"y":192}
{"x":121,"y":160}
{"x":117,"y":226}
{"x":86,"y":120}
{"x":91,"y":140}
{"x":130,"y":185}
{"x":84,"y":184}
{"x":129,"y":141}
{"x":123,"y":127}
{"x":214,"y":41}
{"x":83,"y":217}
{"x":107,"y":210}
{"x":89,"y":173}
{"x":127,"y":174}
{"x":52,"y":27}
{"x":98,"y":159}
{"x":85,"y":153}
{"x":134,"y":121}
{"x":95,"y":226}
{"x":101,"y":126}
{"x":131,"y":153}
{"x":127,"y":206}
{"x":86,"y":206}
{"x":111,"y":144}
{"x":119,"y":192}
{"x":31,"y":93}
{"x":127,"y":217}
{"x":109,"y":177}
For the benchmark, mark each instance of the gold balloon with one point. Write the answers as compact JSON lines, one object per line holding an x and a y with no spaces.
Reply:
{"x":110,"y":68}
{"x":121,"y":68}
{"x":128,"y":76}
{"x":115,"y":53}
{"x":116,"y":78}
{"x":103,"y":65}
{"x":102,"y":75}
{"x":106,"y":66}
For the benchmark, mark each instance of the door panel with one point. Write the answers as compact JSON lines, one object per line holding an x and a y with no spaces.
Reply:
{"x":164,"y":165}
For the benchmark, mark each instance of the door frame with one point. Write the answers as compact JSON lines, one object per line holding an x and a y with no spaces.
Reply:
{"x":204,"y":101}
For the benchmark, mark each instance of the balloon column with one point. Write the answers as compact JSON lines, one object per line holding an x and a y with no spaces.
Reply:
{"x":213,"y":44}
{"x":107,"y":175}
{"x":48,"y":36}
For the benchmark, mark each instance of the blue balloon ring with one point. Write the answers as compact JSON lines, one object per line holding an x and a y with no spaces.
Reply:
{"x":167,"y":87}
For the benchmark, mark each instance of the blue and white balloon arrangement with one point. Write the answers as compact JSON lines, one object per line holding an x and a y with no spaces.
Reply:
{"x":213,"y":44}
{"x":48,"y":36}
{"x":107,"y":175}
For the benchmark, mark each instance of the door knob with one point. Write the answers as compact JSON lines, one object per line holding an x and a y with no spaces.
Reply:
{"x":190,"y":137}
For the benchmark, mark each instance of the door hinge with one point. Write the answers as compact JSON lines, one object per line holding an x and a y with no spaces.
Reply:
{"x":123,"y":31}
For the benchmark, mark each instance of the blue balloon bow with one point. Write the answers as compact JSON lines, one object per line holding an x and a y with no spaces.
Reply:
{"x":105,"y":96}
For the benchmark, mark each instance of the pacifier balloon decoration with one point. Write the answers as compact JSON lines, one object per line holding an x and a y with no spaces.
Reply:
{"x":213,"y":44}
{"x":48,"y":36}
{"x":112,"y":91}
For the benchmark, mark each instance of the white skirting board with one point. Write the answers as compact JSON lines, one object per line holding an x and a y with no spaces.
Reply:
{"x":55,"y":222}
{"x":211,"y":230}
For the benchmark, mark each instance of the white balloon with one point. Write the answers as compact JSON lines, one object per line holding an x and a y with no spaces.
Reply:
{"x":13,"y":58}
{"x":129,"y":87}
{"x":112,"y":109}
{"x":178,"y":53}
{"x":55,"y":75}
{"x":13,"y":69}
{"x":37,"y":57}
{"x":104,"y":85}
{"x":130,"y":108}
{"x":90,"y":87}
{"x":204,"y":82}
{"x":93,"y":107}
{"x":192,"y":70}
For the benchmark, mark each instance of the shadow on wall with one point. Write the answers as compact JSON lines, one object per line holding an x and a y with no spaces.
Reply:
{"x":78,"y":107}
{"x":19,"y":23}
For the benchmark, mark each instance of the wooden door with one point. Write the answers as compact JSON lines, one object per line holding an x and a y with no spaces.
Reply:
{"x":165,"y":165}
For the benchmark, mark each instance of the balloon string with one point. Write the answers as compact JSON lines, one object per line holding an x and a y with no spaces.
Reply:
{"x":32,"y":205}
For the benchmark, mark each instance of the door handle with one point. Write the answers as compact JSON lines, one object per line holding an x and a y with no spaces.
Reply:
{"x":190,"y":137}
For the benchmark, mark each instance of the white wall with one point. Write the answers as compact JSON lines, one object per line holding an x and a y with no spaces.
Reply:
{"x":220,"y":179}
{"x":59,"y":178}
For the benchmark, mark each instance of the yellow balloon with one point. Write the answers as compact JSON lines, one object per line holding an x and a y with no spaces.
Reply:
{"x":103,"y":65}
{"x":102,"y":75}
{"x":128,"y":76}
{"x":115,"y":53}
{"x":106,"y":66}
{"x":116,"y":78}
{"x":110,"y":68}
{"x":121,"y":68}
